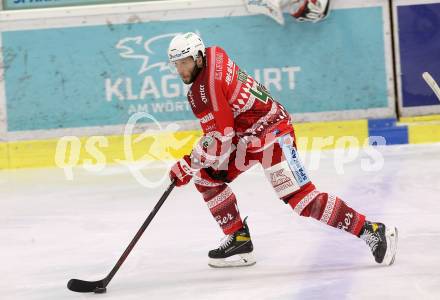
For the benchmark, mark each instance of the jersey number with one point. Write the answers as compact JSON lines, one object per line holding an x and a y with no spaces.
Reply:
{"x":260,"y":94}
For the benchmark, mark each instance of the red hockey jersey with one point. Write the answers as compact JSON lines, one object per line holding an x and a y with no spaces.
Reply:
{"x":229,"y":103}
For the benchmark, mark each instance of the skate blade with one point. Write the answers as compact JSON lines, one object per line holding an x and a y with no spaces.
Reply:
{"x":244,"y":260}
{"x":391,"y":235}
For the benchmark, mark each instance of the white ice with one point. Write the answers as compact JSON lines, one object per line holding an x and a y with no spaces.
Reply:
{"x":53,"y":229}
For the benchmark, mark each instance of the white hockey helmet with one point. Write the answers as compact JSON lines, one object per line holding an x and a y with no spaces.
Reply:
{"x":185,"y":45}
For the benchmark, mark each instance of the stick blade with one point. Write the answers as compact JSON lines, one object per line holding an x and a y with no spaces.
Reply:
{"x":82,"y":286}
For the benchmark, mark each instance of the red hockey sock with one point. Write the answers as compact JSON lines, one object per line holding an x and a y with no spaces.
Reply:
{"x":222,"y":203}
{"x":329,"y":209}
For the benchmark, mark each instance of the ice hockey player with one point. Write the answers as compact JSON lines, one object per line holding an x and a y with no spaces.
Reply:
{"x":301,"y":10}
{"x":307,"y":10}
{"x":243,"y":125}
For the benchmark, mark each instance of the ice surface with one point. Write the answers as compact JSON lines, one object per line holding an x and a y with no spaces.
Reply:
{"x":52,"y":229}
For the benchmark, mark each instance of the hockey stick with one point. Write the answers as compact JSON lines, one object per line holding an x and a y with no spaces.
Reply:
{"x":82,"y":286}
{"x":432,"y":84}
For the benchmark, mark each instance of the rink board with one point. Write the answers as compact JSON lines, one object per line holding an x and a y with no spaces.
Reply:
{"x":173,"y":145}
{"x":417,"y":23}
{"x":32,"y":4}
{"x":100,"y":83}
{"x":163,"y":146}
{"x":42,"y":153}
{"x":56,"y":91}
{"x":309,"y":135}
{"x":4,"y":156}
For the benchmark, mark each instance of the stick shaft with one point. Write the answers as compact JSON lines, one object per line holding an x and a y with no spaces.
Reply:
{"x":139,"y":234}
{"x":432,"y":84}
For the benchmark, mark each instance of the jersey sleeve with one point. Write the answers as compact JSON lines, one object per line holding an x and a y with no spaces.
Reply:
{"x":218,"y":84}
{"x":215,"y":145}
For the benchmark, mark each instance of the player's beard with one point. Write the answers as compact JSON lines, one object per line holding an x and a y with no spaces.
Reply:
{"x":195,"y":72}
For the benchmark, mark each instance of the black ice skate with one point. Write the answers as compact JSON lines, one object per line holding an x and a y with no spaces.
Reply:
{"x":235,"y":251}
{"x":382,"y":241}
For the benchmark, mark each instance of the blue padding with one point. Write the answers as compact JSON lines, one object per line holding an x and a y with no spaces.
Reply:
{"x":387,"y":128}
{"x":381,"y":123}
